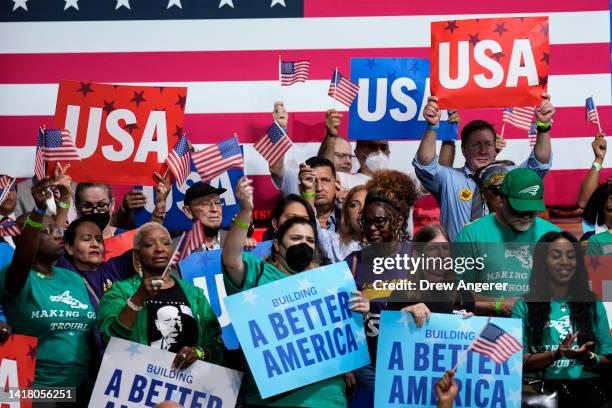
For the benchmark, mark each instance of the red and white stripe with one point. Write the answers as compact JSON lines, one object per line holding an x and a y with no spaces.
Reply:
{"x":300,"y":73}
{"x":225,"y":97}
{"x":499,"y":351}
{"x":519,"y":117}
{"x":273,"y":152}
{"x":343,"y":90}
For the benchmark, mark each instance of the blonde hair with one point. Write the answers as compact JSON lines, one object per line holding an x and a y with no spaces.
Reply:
{"x":144,"y":228}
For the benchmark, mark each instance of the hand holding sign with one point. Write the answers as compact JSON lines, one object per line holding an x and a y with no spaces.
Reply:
{"x":431,"y":112}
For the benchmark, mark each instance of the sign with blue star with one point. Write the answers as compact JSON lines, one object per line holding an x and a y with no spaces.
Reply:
{"x":175,"y":218}
{"x":300,"y":330}
{"x":392,"y":95}
{"x":411,"y":360}
{"x":135,"y":375}
{"x":204,"y":270}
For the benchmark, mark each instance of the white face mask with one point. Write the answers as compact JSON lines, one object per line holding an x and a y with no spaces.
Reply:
{"x":377,"y":161}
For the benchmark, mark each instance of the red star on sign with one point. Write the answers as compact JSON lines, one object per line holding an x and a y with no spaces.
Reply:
{"x":179,"y":131}
{"x":138,"y":97}
{"x":182,"y":100}
{"x":544,"y":29}
{"x":130,"y":128}
{"x":31,"y":352}
{"x":109,"y":107}
{"x":85,"y":88}
{"x":452,"y":26}
{"x":544,"y":57}
{"x":543,"y":81}
{"x":498,"y":56}
{"x":500,"y":29}
{"x":474,"y":39}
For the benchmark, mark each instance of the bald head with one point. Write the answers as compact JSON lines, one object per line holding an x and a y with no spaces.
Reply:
{"x":168,"y":404}
{"x":342,"y":155}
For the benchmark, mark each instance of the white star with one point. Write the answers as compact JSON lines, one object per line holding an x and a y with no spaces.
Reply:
{"x":226,"y":3}
{"x":361,"y":337}
{"x":275,"y":2}
{"x":71,"y":3}
{"x":123,"y":3}
{"x":249,"y":297}
{"x":20,"y":4}
{"x":304,"y":284}
{"x":514,"y":397}
{"x":406,"y":319}
{"x":176,"y":3}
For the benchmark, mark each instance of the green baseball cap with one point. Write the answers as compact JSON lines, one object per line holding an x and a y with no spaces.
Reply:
{"x":524,"y":189}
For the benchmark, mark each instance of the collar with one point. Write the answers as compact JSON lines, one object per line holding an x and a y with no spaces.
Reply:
{"x":214,"y":244}
{"x":468,"y":173}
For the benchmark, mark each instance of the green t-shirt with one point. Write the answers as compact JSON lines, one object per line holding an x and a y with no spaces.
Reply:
{"x":600,"y":244}
{"x":556,"y":330}
{"x":325,"y":393}
{"x":505,"y":254}
{"x":55,"y":309}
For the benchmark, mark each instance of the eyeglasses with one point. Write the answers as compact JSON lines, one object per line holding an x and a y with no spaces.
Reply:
{"x":209,"y":204}
{"x":101,"y":207}
{"x":379,"y":222}
{"x":53,"y":230}
{"x":343,"y":156}
{"x":494,"y":189}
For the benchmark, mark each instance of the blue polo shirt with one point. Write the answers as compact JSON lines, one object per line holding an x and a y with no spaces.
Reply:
{"x":454,"y":189}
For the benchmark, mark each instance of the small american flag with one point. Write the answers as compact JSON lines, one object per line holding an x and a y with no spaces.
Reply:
{"x":532,"y":134}
{"x":591,"y":111}
{"x":179,"y":160}
{"x":519,"y":117}
{"x":39,"y":162}
{"x":274,"y":144}
{"x":6,"y":185}
{"x":195,"y":239}
{"x":294,"y":71}
{"x":342,"y":89}
{"x":495,"y":343}
{"x":216,"y":159}
{"x":9,"y":228}
{"x":58,"y":145}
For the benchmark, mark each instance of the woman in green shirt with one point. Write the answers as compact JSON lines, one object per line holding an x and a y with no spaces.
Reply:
{"x":48,"y":302}
{"x":565,"y":329}
{"x":295,"y":249}
{"x":160,"y":310}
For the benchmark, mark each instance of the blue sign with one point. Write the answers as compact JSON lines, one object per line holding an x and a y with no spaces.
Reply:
{"x":409,"y":362}
{"x":299,"y":330}
{"x":392,"y":95}
{"x":204,"y":270}
{"x":175,"y":218}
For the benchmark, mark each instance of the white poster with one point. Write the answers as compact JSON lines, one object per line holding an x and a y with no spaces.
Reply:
{"x":133,"y":375}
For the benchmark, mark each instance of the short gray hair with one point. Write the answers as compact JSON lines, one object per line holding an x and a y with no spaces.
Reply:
{"x":144,"y":228}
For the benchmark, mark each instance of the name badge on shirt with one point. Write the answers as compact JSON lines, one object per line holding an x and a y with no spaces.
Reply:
{"x":465,"y":194}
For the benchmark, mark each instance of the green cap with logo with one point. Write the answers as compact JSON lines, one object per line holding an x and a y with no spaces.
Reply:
{"x":524,"y":189}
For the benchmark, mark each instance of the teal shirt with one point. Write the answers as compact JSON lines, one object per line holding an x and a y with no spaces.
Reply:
{"x":556,"y":330}
{"x":326,"y":393}
{"x":506,"y":254}
{"x":56,"y":310}
{"x":600,"y":244}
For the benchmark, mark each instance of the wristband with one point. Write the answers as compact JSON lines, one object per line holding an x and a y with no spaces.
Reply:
{"x":33,"y":224}
{"x":498,"y":305}
{"x":40,"y":211}
{"x":62,"y":204}
{"x":309,"y":195}
{"x":433,"y":127}
{"x":543,"y":126}
{"x":133,"y":306}
{"x":241,"y":224}
{"x":597,"y":166}
{"x":200,"y":354}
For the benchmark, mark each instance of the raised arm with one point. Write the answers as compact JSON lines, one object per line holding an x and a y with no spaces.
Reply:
{"x":427,"y":148}
{"x":234,"y":242}
{"x":281,"y":117}
{"x":591,"y":181}
{"x":328,"y":146}
{"x":544,"y":114}
{"x":64,"y":186}
{"x":447,"y":150}
{"x":26,"y":247}
{"x":162,"y":189}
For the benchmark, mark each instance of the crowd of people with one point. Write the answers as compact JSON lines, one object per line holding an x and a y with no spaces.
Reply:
{"x":326,"y":214}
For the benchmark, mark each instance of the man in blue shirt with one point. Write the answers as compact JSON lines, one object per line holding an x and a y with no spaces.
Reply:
{"x":454,"y":188}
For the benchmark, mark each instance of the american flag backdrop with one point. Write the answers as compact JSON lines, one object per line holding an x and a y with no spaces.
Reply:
{"x":226,"y":52}
{"x":519,"y":117}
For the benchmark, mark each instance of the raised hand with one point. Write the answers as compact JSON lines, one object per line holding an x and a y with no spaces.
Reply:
{"x":63,"y":182}
{"x":41,"y":192}
{"x":431,"y":112}
{"x":244,"y":193}
{"x":600,"y":146}
{"x":162,"y":188}
{"x":332,"y":121}
{"x":500,"y":143}
{"x":306,"y":177}
{"x":133,"y":200}
{"x":280,"y":114}
{"x":545,"y":110}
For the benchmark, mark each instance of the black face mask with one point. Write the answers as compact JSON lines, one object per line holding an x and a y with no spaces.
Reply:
{"x":100,"y":219}
{"x":299,"y":256}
